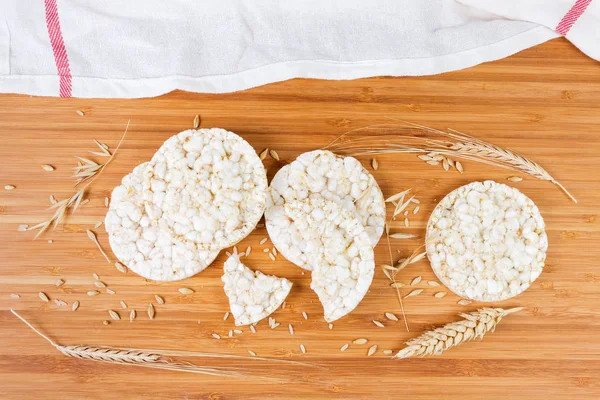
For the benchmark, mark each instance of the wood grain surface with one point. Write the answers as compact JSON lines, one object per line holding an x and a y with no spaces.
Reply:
{"x":543,"y":102}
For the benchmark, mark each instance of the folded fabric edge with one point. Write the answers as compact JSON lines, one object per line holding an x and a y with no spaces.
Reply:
{"x":90,"y":87}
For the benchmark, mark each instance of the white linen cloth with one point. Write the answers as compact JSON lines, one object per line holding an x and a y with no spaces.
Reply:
{"x":129,"y":48}
{"x":577,"y":20}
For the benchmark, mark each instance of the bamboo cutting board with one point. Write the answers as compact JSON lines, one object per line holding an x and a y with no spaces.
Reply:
{"x":543,"y":102}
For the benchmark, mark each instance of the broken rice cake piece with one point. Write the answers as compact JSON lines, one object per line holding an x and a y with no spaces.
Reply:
{"x":252,"y":295}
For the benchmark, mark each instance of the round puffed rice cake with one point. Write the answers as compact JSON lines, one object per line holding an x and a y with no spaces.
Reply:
{"x":342,"y":180}
{"x":140,"y":241}
{"x":252,"y":295}
{"x":339,"y":250}
{"x":208,"y":186}
{"x":486,"y":241}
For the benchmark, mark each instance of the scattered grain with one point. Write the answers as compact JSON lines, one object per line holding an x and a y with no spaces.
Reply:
{"x":238,"y":331}
{"x":52,"y":199}
{"x":114,"y":315}
{"x":216,"y":336}
{"x":60,"y":302}
{"x":330,"y":326}
{"x":22,"y":228}
{"x":391,"y":316}
{"x":15,"y":296}
{"x":360,"y":341}
{"x":84,"y":202}
{"x":263,"y":154}
{"x":415,"y":292}
{"x":248,"y":250}
{"x":459,"y":167}
{"x":433,"y":283}
{"x":271,"y":256}
{"x":75,"y":305}
{"x":59,"y":282}
{"x":464,"y":302}
{"x":151,"y":312}
{"x":263,"y":241}
{"x":439,"y":295}
{"x":106,"y":202}
{"x":515,"y":178}
{"x":397,"y":285}
{"x":105,"y":322}
{"x":226,"y":316}
{"x":97,"y":224}
{"x":305,"y":315}
{"x":372,"y":350}
{"x":406,"y":223}
{"x":445,"y":164}
{"x":302,"y":348}
{"x":379,"y":324}
{"x":43,"y":296}
{"x":159,"y":299}
{"x":252,"y":328}
{"x":230,"y":333}
{"x":291,"y":328}
{"x":48,"y":168}
{"x":123,"y":304}
{"x":96,"y":276}
{"x":416,"y":210}
{"x":50,"y":241}
{"x":344,"y":347}
{"x":283,"y":305}
{"x":132,"y":315}
{"x":93,"y":293}
{"x":387,"y":352}
{"x":253,"y":354}
{"x":375,"y":164}
{"x":274,"y":251}
{"x":274,"y":155}
{"x":110,"y":291}
{"x":185,"y":290}
{"x":99,"y":284}
{"x":415,"y":281}
{"x":80,"y":113}
{"x":9,"y":187}
{"x":266,"y":250}
{"x":196,"y":121}
{"x":120,"y":267}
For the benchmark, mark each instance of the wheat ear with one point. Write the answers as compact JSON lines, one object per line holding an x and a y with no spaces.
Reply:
{"x":456,"y":144}
{"x":152,"y":358}
{"x":474,"y":325}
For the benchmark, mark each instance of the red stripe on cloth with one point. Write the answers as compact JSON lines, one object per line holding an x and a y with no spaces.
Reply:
{"x":58,"y":48}
{"x":572,"y":16}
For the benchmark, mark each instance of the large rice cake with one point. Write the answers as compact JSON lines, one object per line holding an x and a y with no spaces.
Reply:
{"x":486,"y":241}
{"x":208,"y":186}
{"x":139,"y":241}
{"x":252,"y":295}
{"x":339,"y":250}
{"x":342,"y":180}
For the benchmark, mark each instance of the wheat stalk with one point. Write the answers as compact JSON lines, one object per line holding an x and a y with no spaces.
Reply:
{"x":157,"y":359}
{"x":456,"y":144}
{"x":75,"y":200}
{"x":474,"y":325}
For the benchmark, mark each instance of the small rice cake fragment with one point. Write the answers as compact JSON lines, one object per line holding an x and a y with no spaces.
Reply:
{"x":252,"y":295}
{"x":339,"y":249}
{"x":207,"y":185}
{"x":342,"y":180}
{"x":486,"y":241}
{"x":141,"y":243}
